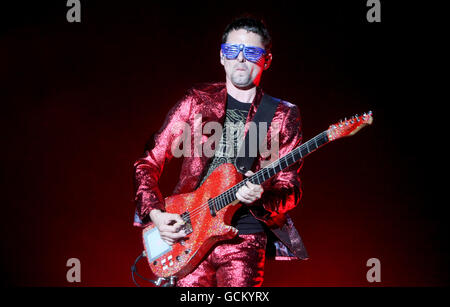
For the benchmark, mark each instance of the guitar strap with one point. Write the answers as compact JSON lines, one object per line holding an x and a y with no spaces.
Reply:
{"x":244,"y":162}
{"x":264,"y":114}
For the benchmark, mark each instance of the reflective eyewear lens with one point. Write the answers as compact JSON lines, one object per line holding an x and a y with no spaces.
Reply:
{"x":252,"y":54}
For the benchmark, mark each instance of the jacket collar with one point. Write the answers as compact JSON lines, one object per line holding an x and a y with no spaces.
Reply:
{"x":214,"y":98}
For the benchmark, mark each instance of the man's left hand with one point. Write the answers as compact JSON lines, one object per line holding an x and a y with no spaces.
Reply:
{"x":250,"y":192}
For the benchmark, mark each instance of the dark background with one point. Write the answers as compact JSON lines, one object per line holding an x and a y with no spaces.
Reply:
{"x":79,"y":102}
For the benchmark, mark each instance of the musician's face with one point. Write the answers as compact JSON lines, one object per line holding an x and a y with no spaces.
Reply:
{"x":241,"y":72}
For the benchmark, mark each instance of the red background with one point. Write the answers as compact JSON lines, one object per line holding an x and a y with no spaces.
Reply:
{"x":79,"y":101}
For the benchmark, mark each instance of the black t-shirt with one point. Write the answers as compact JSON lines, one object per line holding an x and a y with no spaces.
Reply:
{"x":226,"y":152}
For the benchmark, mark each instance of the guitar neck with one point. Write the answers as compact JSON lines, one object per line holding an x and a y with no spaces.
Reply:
{"x":298,"y":153}
{"x":271,"y":170}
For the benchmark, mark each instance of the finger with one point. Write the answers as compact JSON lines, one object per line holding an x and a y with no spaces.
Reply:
{"x":244,"y":189}
{"x":255,"y":187}
{"x":251,"y":193}
{"x":243,"y":197}
{"x":173,"y":235}
{"x":249,"y":173}
{"x":179,"y":225}
{"x":246,"y":193}
{"x":174,"y":217}
{"x":168,"y":228}
{"x":240,"y":198}
{"x":170,"y":242}
{"x":257,"y":191}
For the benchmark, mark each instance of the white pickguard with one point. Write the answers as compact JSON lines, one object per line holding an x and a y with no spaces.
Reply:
{"x":155,"y":247}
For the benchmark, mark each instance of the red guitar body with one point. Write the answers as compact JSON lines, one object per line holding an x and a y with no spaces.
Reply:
{"x":207,"y":230}
{"x":208,"y":224}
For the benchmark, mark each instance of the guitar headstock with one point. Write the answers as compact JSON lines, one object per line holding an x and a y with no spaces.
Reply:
{"x":349,"y":127}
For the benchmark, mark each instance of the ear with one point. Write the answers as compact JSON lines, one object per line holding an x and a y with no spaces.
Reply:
{"x":222,"y":58}
{"x":268,"y":61}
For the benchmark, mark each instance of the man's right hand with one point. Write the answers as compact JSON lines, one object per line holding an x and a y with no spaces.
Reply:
{"x":169,"y":225}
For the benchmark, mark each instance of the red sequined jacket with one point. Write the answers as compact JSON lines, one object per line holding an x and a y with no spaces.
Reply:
{"x":281,"y":193}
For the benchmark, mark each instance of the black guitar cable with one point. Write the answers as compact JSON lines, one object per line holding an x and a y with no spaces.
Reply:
{"x":134,"y":271}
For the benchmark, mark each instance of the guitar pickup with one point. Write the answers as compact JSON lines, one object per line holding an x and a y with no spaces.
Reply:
{"x":212,"y":207}
{"x":187,"y":227}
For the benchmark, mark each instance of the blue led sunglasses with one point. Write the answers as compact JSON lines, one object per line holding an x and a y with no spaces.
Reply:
{"x":251,"y":53}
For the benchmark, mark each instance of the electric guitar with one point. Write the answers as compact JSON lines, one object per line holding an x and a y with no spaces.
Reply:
{"x":207,"y":212}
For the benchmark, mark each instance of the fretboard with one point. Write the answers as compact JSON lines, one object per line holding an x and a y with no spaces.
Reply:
{"x":264,"y":174}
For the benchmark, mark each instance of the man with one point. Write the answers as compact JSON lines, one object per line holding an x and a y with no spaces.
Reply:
{"x":245,"y":54}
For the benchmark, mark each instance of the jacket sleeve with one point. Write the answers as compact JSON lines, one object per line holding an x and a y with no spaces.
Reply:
{"x":148,"y":169}
{"x":283,"y":192}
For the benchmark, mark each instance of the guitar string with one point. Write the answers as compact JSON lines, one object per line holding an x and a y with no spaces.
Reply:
{"x":225,"y":194}
{"x":259,"y":175}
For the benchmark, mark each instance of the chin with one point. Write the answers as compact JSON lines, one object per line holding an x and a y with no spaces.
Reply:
{"x":245,"y":86}
{"x":241,"y":83}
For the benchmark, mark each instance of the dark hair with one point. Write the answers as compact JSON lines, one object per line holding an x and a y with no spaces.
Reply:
{"x":251,"y":24}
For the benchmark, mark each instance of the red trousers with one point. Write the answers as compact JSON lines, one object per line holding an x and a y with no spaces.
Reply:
{"x":235,"y":263}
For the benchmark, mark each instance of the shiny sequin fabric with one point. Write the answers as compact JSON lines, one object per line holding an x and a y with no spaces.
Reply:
{"x":281,"y":193}
{"x":235,"y":263}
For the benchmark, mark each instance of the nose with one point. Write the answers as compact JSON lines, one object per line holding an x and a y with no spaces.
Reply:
{"x":240,"y":57}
